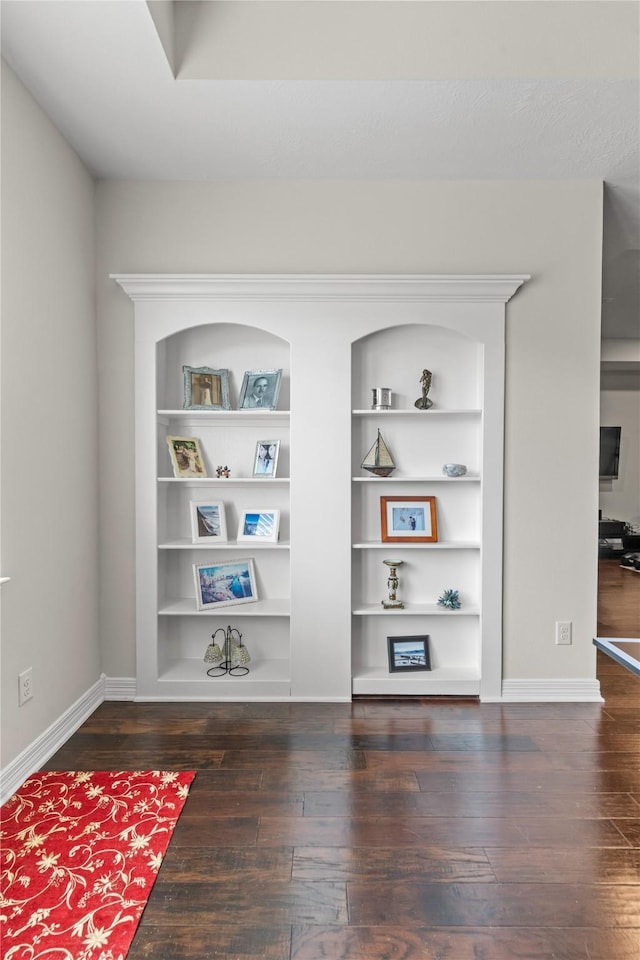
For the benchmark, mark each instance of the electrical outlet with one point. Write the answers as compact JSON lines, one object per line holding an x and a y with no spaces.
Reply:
{"x":563,"y":632}
{"x":25,"y":686}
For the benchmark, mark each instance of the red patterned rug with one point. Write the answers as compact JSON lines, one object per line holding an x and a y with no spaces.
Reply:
{"x":79,"y":855}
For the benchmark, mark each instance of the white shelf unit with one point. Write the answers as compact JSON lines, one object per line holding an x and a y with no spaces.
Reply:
{"x":318,"y":631}
{"x":173,"y":637}
{"x":420,"y":442}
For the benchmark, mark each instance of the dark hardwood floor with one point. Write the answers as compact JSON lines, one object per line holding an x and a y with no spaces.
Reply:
{"x":394,"y":830}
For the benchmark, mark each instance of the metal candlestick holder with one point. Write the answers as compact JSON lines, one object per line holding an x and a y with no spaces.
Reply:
{"x":229,"y":656}
{"x":392,"y":583}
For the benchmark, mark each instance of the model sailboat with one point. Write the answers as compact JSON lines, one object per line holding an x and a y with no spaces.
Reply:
{"x":378,"y":460}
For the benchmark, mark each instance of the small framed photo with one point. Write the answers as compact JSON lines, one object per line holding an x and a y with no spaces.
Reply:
{"x":206,"y":389}
{"x":408,"y":653}
{"x":408,"y":519}
{"x":186,"y":457}
{"x":260,"y":388}
{"x":208,"y":521}
{"x":222,"y":584}
{"x":259,"y":525}
{"x":265,"y":461}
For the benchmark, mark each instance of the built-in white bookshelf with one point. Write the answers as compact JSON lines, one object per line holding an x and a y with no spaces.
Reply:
{"x":318,"y":630}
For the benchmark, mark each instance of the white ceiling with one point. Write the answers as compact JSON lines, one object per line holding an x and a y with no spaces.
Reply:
{"x":100,"y":71}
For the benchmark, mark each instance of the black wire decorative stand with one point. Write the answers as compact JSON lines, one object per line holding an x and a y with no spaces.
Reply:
{"x":231,"y":653}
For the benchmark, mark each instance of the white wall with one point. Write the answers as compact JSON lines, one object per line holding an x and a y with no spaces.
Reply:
{"x":49,"y":420}
{"x":551,"y":230}
{"x":620,"y":499}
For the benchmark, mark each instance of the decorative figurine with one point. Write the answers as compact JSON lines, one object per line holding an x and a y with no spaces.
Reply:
{"x":381,"y":398}
{"x":223,"y":472}
{"x":423,"y":402}
{"x":392,"y":583}
{"x":378,"y":460}
{"x":450,"y":599}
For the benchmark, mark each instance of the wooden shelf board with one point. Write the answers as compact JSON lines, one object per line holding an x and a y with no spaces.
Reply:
{"x":440,"y":545}
{"x":237,"y":416}
{"x":441,"y":681}
{"x":415,"y":610}
{"x":455,"y":412}
{"x":439,"y":478}
{"x":186,"y":606}
{"x":223,"y":482}
{"x":260,"y":671}
{"x":215,"y":544}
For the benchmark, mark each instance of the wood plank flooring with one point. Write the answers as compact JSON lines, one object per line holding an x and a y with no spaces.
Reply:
{"x":391,"y":829}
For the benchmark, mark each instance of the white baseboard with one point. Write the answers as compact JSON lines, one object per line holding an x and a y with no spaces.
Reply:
{"x":550,"y":691}
{"x":38,"y":752}
{"x":120,"y":688}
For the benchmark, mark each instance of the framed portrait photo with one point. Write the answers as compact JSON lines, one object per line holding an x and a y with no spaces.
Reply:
{"x":265,"y":461}
{"x":223,"y":584}
{"x":259,"y":525}
{"x":260,"y":390}
{"x":206,"y":388}
{"x":408,"y":519}
{"x":208,"y":521}
{"x":408,"y":653}
{"x":186,"y":457}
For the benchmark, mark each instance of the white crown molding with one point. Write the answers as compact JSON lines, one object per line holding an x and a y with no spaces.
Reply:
{"x":492,"y":288}
{"x":550,"y":691}
{"x":38,"y":752}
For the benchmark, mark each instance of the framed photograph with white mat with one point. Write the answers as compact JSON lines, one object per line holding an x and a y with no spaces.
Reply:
{"x":208,"y":521}
{"x":260,"y":525}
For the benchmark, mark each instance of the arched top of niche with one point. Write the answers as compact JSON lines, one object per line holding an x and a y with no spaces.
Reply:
{"x":396,"y":356}
{"x":236,"y":347}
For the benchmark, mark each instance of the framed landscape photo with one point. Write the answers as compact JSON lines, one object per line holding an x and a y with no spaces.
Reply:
{"x":206,"y":388}
{"x":259,"y":525}
{"x":408,"y":653}
{"x":186,"y":457}
{"x":208,"y":521}
{"x":223,"y":584}
{"x":408,"y":519}
{"x":260,"y":390}
{"x":265,"y":461}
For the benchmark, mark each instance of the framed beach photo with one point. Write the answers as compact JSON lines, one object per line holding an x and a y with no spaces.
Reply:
{"x":208,"y":521}
{"x":186,"y":457}
{"x":408,"y":519}
{"x":265,"y":461}
{"x":206,"y":388}
{"x":260,"y":390}
{"x":222,"y":584}
{"x":259,"y":525}
{"x":408,"y":653}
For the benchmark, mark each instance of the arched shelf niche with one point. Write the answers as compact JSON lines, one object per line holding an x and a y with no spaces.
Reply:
{"x":236,"y":347}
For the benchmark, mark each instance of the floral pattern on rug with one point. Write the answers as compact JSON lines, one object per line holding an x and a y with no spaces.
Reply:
{"x":79,"y":854}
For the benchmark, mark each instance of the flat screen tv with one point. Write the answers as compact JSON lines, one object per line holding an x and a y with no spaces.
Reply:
{"x":609,"y":452}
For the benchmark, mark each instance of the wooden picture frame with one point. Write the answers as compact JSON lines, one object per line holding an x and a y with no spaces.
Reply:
{"x":186,"y":457}
{"x":408,"y":520}
{"x":206,"y":388}
{"x":408,"y":654}
{"x":224,"y":583}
